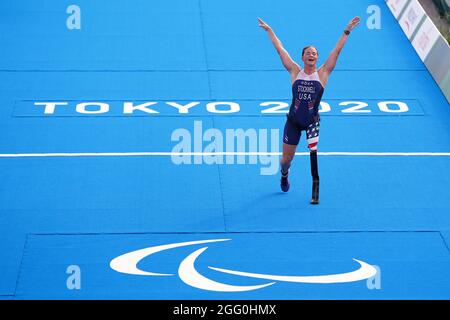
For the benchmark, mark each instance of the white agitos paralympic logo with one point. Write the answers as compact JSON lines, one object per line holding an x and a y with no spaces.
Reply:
{"x":127,"y":263}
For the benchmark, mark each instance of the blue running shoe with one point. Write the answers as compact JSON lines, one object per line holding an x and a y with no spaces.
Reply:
{"x":284,"y":183}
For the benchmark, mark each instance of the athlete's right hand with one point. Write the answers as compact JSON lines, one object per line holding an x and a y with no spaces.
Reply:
{"x":263,"y":25}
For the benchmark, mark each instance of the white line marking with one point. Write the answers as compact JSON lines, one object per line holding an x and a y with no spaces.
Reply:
{"x":163,"y":154}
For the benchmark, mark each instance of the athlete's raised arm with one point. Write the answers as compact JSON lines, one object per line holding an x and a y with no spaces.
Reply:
{"x":328,"y":66}
{"x":286,"y":59}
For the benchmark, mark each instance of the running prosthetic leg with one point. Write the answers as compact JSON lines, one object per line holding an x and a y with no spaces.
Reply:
{"x":315,"y":192}
{"x":315,"y":176}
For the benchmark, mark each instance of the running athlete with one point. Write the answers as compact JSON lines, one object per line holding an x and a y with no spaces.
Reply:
{"x":308,"y":85}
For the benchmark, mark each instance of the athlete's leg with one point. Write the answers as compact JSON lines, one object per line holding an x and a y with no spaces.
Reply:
{"x":291,"y":137}
{"x":285,"y":163}
{"x":312,"y":138}
{"x":287,"y":157}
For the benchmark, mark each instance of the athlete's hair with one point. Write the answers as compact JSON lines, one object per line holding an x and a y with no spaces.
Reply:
{"x":310,"y":46}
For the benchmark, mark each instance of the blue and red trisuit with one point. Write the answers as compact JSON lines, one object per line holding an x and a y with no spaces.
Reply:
{"x":303,"y":114}
{"x":307,"y":91}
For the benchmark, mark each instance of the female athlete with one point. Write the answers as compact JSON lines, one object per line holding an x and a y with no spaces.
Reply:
{"x":308,"y":85}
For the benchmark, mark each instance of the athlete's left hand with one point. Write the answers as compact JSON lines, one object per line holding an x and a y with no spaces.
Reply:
{"x":353,"y":23}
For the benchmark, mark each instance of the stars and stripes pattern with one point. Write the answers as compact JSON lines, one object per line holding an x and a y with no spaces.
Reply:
{"x":312,"y":136}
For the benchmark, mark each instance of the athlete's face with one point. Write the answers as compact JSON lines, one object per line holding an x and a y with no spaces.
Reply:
{"x":310,"y":56}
